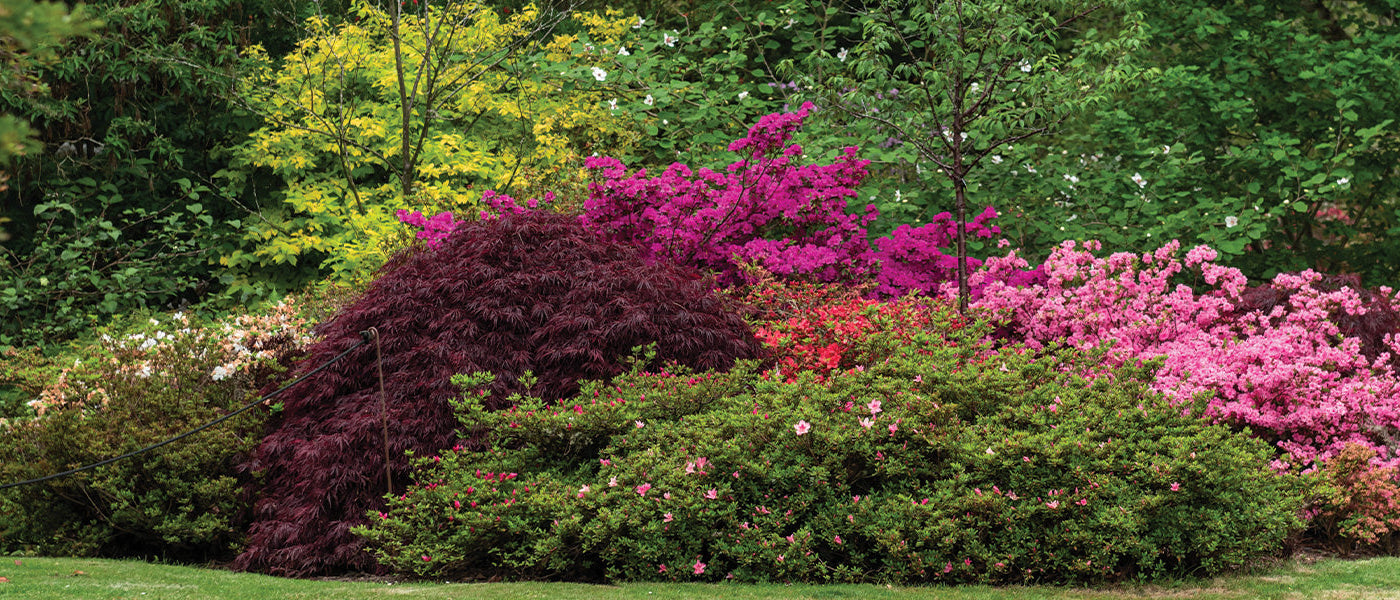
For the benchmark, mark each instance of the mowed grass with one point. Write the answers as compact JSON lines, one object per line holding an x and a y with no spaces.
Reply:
{"x":91,"y":579}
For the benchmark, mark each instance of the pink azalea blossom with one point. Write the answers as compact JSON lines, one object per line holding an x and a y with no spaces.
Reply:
{"x":802,"y":427}
{"x":642,"y":489}
{"x":699,"y":567}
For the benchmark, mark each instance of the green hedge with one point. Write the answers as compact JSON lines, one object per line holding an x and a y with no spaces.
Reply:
{"x":977,"y":465}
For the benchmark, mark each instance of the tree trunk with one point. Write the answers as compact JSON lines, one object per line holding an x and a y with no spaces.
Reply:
{"x":960,"y":202}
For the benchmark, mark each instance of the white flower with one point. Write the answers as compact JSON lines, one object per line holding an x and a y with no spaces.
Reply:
{"x":1166,"y":149}
{"x":648,"y":100}
{"x":148,"y":344}
{"x":790,"y":23}
{"x":1231,"y":221}
{"x":623,"y":51}
{"x":973,"y":89}
{"x":1070,"y":178}
{"x":898,"y":197}
{"x":221,"y":372}
{"x":1343,"y":181}
{"x":743,"y":95}
{"x":599,"y":74}
{"x":1025,"y":66}
{"x":996,"y":159}
{"x":841,"y":56}
{"x":1137,"y":178}
{"x":640,"y":22}
{"x":1029,"y":168}
{"x":144,"y":372}
{"x":612,"y":104}
{"x":670,"y":40}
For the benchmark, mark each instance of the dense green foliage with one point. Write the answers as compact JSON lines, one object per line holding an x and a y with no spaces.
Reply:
{"x":139,"y":386}
{"x":941,"y":460}
{"x":118,"y":210}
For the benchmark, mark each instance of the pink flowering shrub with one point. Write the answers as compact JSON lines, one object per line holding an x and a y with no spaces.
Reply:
{"x":434,"y":229}
{"x":764,"y":208}
{"x":946,"y":461}
{"x":912,"y":258}
{"x":1288,"y":373}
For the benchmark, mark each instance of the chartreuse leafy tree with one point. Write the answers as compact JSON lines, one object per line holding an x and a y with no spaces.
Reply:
{"x":958,"y":80}
{"x":413,"y":108}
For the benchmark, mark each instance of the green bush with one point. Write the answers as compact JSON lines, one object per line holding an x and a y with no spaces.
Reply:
{"x":935,"y":462}
{"x":133,"y":388}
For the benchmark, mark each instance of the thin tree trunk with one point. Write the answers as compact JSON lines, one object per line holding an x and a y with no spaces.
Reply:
{"x":960,"y":200}
{"x":406,"y":171}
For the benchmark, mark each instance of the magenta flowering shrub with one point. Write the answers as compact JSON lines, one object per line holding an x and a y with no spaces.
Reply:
{"x":767,"y":210}
{"x":764,"y":208}
{"x":947,"y":461}
{"x":912,"y":258}
{"x":1288,"y":373}
{"x":434,"y":229}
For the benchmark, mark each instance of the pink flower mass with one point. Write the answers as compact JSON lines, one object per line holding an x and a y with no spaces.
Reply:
{"x":1289,"y":371}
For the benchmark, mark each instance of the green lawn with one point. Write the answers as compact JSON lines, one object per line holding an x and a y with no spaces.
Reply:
{"x":83,"y":579}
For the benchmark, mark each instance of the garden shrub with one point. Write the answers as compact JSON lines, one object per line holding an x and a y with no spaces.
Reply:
{"x":130,"y":389}
{"x":1285,"y":371}
{"x":1357,"y":506}
{"x":821,"y":328}
{"x":947,"y":461}
{"x":765,"y":210}
{"x":532,"y":292}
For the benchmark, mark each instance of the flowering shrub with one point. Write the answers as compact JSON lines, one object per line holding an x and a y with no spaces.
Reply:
{"x":912,"y":258}
{"x":531,"y":293}
{"x":764,"y":208}
{"x":944,"y":462}
{"x":1358,"y":503}
{"x":822,"y":328}
{"x":434,"y":229}
{"x":1289,"y":373}
{"x":127,"y":390}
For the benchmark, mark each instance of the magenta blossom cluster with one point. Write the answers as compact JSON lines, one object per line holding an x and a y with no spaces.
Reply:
{"x":912,"y":258}
{"x":434,"y":229}
{"x":764,"y":209}
{"x":1289,"y":374}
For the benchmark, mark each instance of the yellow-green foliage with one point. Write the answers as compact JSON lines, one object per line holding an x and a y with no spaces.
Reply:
{"x":492,"y":105}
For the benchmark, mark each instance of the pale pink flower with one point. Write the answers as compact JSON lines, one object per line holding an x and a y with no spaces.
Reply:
{"x":874,"y":407}
{"x":802,"y":427}
{"x":866,"y":423}
{"x":712,"y":494}
{"x":642,"y":489}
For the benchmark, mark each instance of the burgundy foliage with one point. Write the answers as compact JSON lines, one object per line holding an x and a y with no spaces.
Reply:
{"x":531,"y":291}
